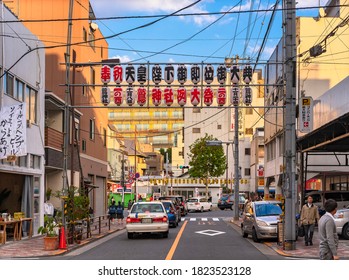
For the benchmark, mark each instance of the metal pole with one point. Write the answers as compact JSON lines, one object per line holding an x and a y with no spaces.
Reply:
{"x":236,"y":165}
{"x":123,"y":177}
{"x":66,"y":109}
{"x":227,"y":169}
{"x":2,"y":69}
{"x":290,"y":117}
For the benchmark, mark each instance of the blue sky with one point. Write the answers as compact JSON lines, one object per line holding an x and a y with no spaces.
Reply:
{"x":234,"y":34}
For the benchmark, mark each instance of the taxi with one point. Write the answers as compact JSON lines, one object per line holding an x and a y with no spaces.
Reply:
{"x":147,"y":217}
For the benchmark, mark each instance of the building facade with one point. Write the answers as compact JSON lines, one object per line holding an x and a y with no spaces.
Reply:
{"x":321,"y":64}
{"x":86,"y":165}
{"x":22,"y":177}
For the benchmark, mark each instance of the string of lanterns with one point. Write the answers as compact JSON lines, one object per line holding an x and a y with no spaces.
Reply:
{"x":138,"y":95}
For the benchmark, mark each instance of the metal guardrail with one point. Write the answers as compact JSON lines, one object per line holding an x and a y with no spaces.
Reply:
{"x":85,"y":228}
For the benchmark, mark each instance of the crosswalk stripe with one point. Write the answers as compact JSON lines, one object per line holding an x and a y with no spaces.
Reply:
{"x":215,"y":219}
{"x":204,"y":219}
{"x":192,"y":219}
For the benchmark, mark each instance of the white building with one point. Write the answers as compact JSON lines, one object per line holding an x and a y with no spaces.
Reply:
{"x":219,"y":122}
{"x":22,"y":180}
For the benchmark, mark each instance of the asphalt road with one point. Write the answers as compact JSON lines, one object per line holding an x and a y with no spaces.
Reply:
{"x":200,"y":236}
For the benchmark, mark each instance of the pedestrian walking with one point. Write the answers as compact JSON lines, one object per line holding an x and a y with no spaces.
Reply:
{"x":120,"y":213}
{"x":112,"y":212}
{"x":328,"y":232}
{"x":309,"y":216}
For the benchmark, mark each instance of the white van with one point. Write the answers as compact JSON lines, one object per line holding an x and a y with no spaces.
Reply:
{"x":319,"y":198}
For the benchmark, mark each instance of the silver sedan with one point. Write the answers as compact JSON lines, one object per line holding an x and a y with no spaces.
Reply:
{"x":341,"y":219}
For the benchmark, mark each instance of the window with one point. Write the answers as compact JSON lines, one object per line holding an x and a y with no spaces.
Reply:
{"x":83,"y":145}
{"x":92,"y":129}
{"x":249,"y":131}
{"x":8,"y":84}
{"x":247,"y":151}
{"x":196,"y":110}
{"x":91,"y":38}
{"x":249,"y":111}
{"x":219,"y":126}
{"x":196,"y":130}
{"x":31,"y":103}
{"x":19,"y":95}
{"x":104,"y":137}
{"x":247,"y":172}
{"x":84,"y":34}
{"x":92,"y":77}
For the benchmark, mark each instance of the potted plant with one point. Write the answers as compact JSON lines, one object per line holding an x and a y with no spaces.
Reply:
{"x":48,"y":193}
{"x":49,"y":229}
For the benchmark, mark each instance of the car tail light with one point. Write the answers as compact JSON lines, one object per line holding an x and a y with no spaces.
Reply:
{"x":133,"y":220}
{"x":160,"y":220}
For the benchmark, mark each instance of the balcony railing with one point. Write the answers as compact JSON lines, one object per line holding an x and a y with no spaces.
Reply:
{"x":53,"y":138}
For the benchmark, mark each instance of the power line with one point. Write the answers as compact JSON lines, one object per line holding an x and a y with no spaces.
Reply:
{"x":192,"y":36}
{"x":176,"y":14}
{"x":99,"y":39}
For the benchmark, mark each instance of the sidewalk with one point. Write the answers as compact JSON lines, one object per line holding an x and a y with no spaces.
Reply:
{"x":302,"y":251}
{"x":34,"y":247}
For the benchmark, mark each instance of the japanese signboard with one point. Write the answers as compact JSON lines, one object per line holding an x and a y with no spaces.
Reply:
{"x":13,"y":127}
{"x":306,"y":114}
{"x":105,"y":74}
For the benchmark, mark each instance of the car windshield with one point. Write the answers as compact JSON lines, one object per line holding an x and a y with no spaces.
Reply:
{"x":267,"y":210}
{"x":192,"y":200}
{"x":146,"y":208}
{"x":167,"y":205}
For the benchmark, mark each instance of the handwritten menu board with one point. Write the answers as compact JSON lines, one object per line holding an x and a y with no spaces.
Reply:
{"x":13,"y":141}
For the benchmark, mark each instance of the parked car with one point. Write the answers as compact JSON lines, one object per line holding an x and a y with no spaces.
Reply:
{"x":319,"y":198}
{"x":341,"y":219}
{"x":147,"y":217}
{"x":227,"y":201}
{"x":172,"y":213}
{"x":260,"y":219}
{"x":199,"y":204}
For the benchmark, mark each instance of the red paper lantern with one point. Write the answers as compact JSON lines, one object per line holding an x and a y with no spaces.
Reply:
{"x":221,"y":96}
{"x":195,"y":96}
{"x":118,"y":96}
{"x":168,"y":96}
{"x":208,"y":96}
{"x":117,"y":74}
{"x":105,"y":74}
{"x":141,"y":96}
{"x":181,"y":96}
{"x":156,"y":96}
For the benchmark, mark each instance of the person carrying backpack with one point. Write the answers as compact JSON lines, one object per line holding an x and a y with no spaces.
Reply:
{"x":120,"y":213}
{"x":112,"y":211}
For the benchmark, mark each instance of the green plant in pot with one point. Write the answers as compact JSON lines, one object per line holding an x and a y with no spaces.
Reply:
{"x":49,"y":229}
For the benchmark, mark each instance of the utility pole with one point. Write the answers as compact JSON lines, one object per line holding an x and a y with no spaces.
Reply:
{"x":66,"y":108}
{"x":289,"y":22}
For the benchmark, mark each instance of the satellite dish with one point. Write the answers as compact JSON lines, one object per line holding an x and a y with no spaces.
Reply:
{"x":93,"y":26}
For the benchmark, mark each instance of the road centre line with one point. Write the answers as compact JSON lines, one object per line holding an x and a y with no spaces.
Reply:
{"x":175,"y":243}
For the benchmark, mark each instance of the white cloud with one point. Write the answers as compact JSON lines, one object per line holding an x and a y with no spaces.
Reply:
{"x":123,"y":58}
{"x":104,"y":8}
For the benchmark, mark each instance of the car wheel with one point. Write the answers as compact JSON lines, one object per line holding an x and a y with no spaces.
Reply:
{"x":202,"y":209}
{"x":222,"y":208}
{"x":244,"y":234}
{"x":232,"y":207}
{"x":210,"y":208}
{"x":130,"y":235}
{"x":345,"y":232}
{"x":165,"y":234}
{"x":254,"y":235}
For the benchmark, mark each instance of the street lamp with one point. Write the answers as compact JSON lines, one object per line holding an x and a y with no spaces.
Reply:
{"x":236,"y":192}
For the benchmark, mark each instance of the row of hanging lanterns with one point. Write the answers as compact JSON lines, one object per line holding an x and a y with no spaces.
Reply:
{"x":131,"y":96}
